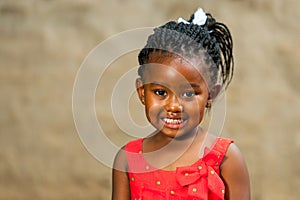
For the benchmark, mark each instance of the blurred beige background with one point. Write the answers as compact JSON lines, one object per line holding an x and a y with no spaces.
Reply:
{"x":43,"y":43}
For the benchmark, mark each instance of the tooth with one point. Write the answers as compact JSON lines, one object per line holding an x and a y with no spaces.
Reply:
{"x":172,"y":121}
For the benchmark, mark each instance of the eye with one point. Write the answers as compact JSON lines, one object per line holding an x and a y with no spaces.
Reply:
{"x":189,"y":94}
{"x":160,"y":92}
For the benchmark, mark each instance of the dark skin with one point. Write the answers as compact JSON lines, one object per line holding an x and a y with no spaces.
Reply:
{"x":176,"y":109}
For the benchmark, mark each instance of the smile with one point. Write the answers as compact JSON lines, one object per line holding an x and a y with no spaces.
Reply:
{"x":173,"y":123}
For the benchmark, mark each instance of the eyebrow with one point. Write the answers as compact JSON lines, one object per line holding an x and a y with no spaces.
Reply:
{"x":159,"y":83}
{"x":193,"y":85}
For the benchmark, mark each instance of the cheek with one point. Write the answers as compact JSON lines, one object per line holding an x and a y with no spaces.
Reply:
{"x":152,"y":109}
{"x":196,"y":108}
{"x":153,"y":115}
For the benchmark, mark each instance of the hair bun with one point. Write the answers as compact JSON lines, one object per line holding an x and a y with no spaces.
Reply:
{"x":210,"y":22}
{"x":199,"y":18}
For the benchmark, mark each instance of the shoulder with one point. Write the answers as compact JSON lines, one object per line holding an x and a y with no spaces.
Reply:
{"x":232,"y":156}
{"x":235,"y":174}
{"x":120,"y":161}
{"x":120,"y":183}
{"x":125,"y":154}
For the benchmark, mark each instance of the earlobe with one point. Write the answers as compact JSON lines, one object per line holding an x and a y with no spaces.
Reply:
{"x":140,"y":89}
{"x":208,"y":103}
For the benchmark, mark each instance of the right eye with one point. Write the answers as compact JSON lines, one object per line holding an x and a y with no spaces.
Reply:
{"x":160,"y":93}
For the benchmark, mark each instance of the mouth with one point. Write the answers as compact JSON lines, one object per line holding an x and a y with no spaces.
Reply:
{"x":173,"y":123}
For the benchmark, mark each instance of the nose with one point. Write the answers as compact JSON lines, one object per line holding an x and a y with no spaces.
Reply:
{"x":173,"y":104}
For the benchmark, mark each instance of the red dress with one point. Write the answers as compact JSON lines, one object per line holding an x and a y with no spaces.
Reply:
{"x":200,"y":181}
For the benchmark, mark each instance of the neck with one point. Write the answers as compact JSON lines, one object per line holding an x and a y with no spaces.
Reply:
{"x":160,"y":140}
{"x":161,"y":150}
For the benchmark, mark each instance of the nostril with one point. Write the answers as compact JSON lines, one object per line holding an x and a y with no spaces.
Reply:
{"x":173,"y":104}
{"x":175,"y":109}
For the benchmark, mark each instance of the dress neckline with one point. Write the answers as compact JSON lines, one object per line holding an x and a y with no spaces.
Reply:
{"x":207,"y":152}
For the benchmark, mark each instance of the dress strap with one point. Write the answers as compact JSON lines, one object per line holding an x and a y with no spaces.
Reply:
{"x":216,"y":155}
{"x":222,"y":146}
{"x":134,"y":146}
{"x":135,"y":159}
{"x":203,"y":179}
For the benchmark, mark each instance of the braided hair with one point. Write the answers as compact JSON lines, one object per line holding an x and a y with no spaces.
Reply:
{"x":211,"y":42}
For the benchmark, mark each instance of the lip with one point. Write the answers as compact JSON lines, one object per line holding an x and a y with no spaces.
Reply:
{"x":173,"y":123}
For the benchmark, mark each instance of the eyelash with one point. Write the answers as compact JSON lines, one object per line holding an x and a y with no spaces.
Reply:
{"x":189,"y":92}
{"x":159,"y":92}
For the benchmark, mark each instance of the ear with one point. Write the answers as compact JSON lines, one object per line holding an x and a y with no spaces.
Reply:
{"x":140,"y":89}
{"x":213,"y":93}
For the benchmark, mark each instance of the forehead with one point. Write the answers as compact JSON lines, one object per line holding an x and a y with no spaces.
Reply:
{"x":172,"y":71}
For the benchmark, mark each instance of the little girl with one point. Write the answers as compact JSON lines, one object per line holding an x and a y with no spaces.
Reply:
{"x":183,"y":67}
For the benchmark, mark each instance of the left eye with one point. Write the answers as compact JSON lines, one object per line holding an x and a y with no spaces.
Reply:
{"x":188,"y":94}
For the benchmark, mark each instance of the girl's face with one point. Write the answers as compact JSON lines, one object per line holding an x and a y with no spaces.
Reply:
{"x":174,"y":94}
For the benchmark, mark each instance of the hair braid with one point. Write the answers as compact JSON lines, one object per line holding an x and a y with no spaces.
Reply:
{"x":211,"y":40}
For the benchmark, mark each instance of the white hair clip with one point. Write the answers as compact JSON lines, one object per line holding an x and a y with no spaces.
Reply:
{"x":199,"y":18}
